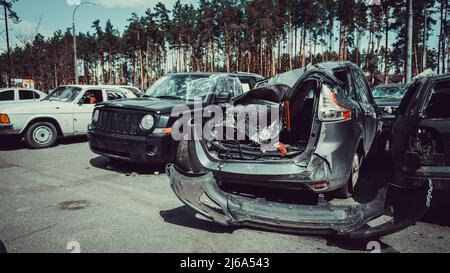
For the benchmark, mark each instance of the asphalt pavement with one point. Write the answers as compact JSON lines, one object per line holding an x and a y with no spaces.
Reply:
{"x":67,"y":199}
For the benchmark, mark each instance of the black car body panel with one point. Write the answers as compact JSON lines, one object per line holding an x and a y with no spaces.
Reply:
{"x":117,"y":134}
{"x":421,"y":134}
{"x":388,"y":104}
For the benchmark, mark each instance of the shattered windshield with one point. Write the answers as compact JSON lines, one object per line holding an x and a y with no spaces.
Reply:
{"x":193,"y":87}
{"x":201,"y":88}
{"x":64,"y":94}
{"x":396,"y":92}
{"x":172,"y":86}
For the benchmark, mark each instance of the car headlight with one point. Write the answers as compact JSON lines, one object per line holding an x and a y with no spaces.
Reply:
{"x":95,"y":116}
{"x":148,"y":122}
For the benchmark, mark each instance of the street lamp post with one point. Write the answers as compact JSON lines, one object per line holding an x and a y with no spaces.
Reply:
{"x":75,"y":58}
{"x":409,"y":44}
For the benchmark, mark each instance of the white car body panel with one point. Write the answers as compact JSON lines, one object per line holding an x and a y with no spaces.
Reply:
{"x":72,"y":118}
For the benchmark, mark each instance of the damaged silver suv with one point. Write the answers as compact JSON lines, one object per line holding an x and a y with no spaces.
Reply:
{"x":327,"y":124}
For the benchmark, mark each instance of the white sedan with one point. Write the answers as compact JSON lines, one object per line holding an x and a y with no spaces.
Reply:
{"x":8,"y":95}
{"x":66,"y":111}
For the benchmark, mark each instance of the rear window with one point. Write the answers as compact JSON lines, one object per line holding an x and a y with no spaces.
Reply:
{"x":28,"y":95}
{"x":7,"y":95}
{"x":115,"y":95}
{"x":411,"y":97}
{"x":438,"y":106}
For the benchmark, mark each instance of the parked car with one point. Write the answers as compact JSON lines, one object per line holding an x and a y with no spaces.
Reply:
{"x":388,"y":98}
{"x":139,"y":130}
{"x":8,"y":95}
{"x":328,"y":123}
{"x":421,"y":134}
{"x":66,"y":111}
{"x":136,"y":91}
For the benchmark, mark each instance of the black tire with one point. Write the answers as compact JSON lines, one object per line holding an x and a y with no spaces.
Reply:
{"x":349,"y":188}
{"x":379,"y":147}
{"x":41,"y":135}
{"x":182,"y":158}
{"x":2,"y":248}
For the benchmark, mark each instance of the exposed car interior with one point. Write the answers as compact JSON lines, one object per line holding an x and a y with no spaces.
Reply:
{"x":92,"y":97}
{"x":301,"y":115}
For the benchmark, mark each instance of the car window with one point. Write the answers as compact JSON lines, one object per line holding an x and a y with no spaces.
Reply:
{"x":410,"y":98}
{"x":7,"y":95}
{"x":135,"y":91}
{"x":115,"y":95}
{"x":92,"y":97}
{"x":347,"y":86}
{"x":27,"y":95}
{"x":64,"y":94}
{"x":362,"y":89}
{"x":438,"y":106}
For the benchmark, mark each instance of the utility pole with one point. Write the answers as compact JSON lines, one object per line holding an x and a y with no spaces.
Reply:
{"x":8,"y":47}
{"x":75,"y":58}
{"x":425,"y":34}
{"x":56,"y":75}
{"x":410,"y":38}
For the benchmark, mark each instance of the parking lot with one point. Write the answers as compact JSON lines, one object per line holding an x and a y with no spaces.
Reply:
{"x":64,"y":194}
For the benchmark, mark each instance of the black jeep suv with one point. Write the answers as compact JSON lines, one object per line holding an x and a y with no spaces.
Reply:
{"x":139,"y":130}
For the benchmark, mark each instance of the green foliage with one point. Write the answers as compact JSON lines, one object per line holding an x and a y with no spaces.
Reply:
{"x":262,"y":36}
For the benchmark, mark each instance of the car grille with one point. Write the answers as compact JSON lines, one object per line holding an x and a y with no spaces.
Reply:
{"x":120,"y":122}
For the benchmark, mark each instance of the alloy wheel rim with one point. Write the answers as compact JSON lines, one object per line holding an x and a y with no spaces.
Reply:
{"x":355,"y":170}
{"x":42,"y":135}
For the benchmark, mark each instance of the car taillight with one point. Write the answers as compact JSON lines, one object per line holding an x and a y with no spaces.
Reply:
{"x":329,"y":108}
{"x":4,"y":119}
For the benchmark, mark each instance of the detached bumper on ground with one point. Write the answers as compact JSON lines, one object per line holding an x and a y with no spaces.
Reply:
{"x":201,"y":193}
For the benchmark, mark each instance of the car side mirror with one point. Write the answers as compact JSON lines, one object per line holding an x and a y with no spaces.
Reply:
{"x":223,"y":97}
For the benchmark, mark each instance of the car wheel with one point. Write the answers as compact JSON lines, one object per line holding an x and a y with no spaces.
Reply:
{"x":182,"y":159}
{"x":41,"y":135}
{"x":354,"y":176}
{"x":349,"y":188}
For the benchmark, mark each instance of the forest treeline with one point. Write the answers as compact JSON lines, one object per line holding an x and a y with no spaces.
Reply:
{"x":260,"y":36}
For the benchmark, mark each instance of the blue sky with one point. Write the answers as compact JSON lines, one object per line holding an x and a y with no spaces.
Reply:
{"x":57,"y":14}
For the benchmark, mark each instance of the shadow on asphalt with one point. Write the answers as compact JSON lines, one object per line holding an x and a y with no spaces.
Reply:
{"x":438,"y":212}
{"x":128,"y":168}
{"x":359,"y":245}
{"x":2,"y":248}
{"x":183,"y":216}
{"x":13,"y":143}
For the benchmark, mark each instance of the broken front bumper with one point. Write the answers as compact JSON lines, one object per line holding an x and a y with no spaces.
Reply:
{"x":201,"y":193}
